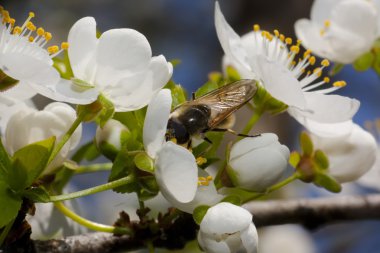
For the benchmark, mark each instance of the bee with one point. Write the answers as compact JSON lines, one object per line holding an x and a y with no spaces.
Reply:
{"x":209,"y":112}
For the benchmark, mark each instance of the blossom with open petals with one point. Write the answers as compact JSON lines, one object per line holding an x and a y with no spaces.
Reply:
{"x":339,"y":30}
{"x":350,"y":155}
{"x":29,"y":125}
{"x":227,"y":228}
{"x":119,"y":65}
{"x":25,"y":58}
{"x":257,"y":163}
{"x":265,"y":57}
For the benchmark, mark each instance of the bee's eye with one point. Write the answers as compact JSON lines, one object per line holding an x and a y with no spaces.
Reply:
{"x":177,"y":130}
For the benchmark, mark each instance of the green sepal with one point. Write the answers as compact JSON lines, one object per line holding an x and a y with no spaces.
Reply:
{"x":321,"y":160}
{"x":376,"y":62}
{"x":175,"y":62}
{"x":327,"y":182}
{"x":306,"y":144}
{"x":232,"y":74}
{"x":262,"y":100}
{"x":5,"y":162}
{"x":81,"y":85}
{"x":144,"y":162}
{"x":149,"y":183}
{"x":178,"y":93}
{"x":200,"y":212}
{"x":364,"y":62}
{"x":6,"y":82}
{"x":88,"y":152}
{"x":91,"y":111}
{"x":37,"y":195}
{"x":233,"y":199}
{"x":107,"y":112}
{"x":294,"y":159}
{"x":108,"y":150}
{"x":10,"y":204}
{"x":62,"y":65}
{"x":30,"y":160}
{"x":336,"y":68}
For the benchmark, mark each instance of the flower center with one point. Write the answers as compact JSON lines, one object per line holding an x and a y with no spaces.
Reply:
{"x":278,"y":48}
{"x":26,"y":37}
{"x":204,"y":181}
{"x":325,"y":27}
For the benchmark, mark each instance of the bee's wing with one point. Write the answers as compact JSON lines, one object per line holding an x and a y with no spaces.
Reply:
{"x":227,"y":99}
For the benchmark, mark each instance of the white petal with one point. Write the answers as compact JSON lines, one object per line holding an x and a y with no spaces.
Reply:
{"x":66,"y":91}
{"x":156,"y":121}
{"x":372,"y":177}
{"x":246,"y":145}
{"x":135,"y":92}
{"x":350,"y":157}
{"x":210,"y":245}
{"x":225,"y":218}
{"x":21,"y":91}
{"x":326,"y":108}
{"x":321,"y":10}
{"x":280,"y":82}
{"x":250,"y":239}
{"x":83,"y":43}
{"x":229,"y":40}
{"x":29,"y":69}
{"x":121,"y":52}
{"x":176,"y":173}
{"x":110,"y":133}
{"x":327,"y":130}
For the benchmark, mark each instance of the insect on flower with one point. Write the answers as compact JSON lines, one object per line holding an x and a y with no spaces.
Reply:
{"x":210,"y":112}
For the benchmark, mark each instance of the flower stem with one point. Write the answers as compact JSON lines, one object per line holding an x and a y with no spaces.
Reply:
{"x":93,"y":190}
{"x":254,"y":119}
{"x":90,"y":224}
{"x":67,"y":136}
{"x":93,"y":168}
{"x":5,"y":232}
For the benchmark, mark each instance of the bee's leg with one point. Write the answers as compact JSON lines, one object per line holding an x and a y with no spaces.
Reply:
{"x":207,"y":139}
{"x":193,"y":95}
{"x":233,"y":132}
{"x":189,"y":144}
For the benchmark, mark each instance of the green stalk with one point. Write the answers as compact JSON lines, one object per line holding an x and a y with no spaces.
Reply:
{"x":93,"y":168}
{"x":93,"y":190}
{"x":253,"y":120}
{"x":90,"y":224}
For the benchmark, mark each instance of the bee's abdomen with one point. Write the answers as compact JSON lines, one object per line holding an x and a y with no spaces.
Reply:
{"x":196,"y":118}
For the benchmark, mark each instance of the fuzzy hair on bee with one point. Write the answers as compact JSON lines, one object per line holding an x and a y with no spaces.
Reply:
{"x":212,"y":111}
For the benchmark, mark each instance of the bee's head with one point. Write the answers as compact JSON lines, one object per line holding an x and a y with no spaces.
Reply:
{"x":178,"y":131}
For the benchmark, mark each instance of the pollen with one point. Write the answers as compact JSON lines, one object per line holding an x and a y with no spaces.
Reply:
{"x":31,"y":14}
{"x":322,"y":32}
{"x":40,"y":31}
{"x":53,"y":49}
{"x":276,"y":33}
{"x":31,"y":38}
{"x":64,"y":45}
{"x":325,"y":63}
{"x":288,"y":41}
{"x":282,"y":37}
{"x":307,"y":53}
{"x":201,"y":160}
{"x":295,"y":49}
{"x":204,"y":181}
{"x":48,"y":36}
{"x":17,"y":30}
{"x":326,"y":79}
{"x":339,"y":84}
{"x":256,"y":27}
{"x":312,"y":60}
{"x":327,"y":23}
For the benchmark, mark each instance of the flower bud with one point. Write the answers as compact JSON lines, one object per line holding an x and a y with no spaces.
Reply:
{"x":227,"y":228}
{"x":257,"y":163}
{"x":109,"y":138}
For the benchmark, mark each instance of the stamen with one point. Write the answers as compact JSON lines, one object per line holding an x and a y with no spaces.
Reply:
{"x":31,"y":38}
{"x":325,"y":63}
{"x":53,"y":49}
{"x":276,"y":33}
{"x":326,"y":79}
{"x":40,"y":31}
{"x":307,"y":53}
{"x":312,"y":60}
{"x":339,"y":84}
{"x":288,"y":41}
{"x":48,"y":36}
{"x":201,"y":160}
{"x":256,"y":27}
{"x":327,"y":23}
{"x":295,"y":49}
{"x":204,"y":181}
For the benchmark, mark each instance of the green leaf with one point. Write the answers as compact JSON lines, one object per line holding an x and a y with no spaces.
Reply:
{"x":175,"y":62}
{"x":336,"y":68}
{"x":149,"y":183}
{"x":144,"y":162}
{"x":327,"y":182}
{"x":18,"y":176}
{"x":5,"y":162}
{"x":294,"y":159}
{"x":206,"y":88}
{"x":123,"y":166}
{"x":6,"y":82}
{"x":321,"y":160}
{"x":215,"y":77}
{"x":33,"y":159}
{"x":10,"y":204}
{"x":364,"y":62}
{"x":37,"y":194}
{"x":306,"y":144}
{"x":200,"y":212}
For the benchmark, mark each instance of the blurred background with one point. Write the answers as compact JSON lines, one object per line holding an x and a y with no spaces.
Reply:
{"x":184,"y":30}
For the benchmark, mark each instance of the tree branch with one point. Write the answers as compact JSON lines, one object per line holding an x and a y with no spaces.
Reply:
{"x":310,"y":212}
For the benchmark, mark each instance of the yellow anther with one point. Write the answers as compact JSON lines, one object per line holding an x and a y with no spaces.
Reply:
{"x":17,"y":30}
{"x":174,"y":140}
{"x":65,"y":45}
{"x":30,"y":26}
{"x":282,"y":37}
{"x":322,"y":32}
{"x":325,"y":63}
{"x":326,"y":79}
{"x":209,"y":178}
{"x":256,"y":27}
{"x":327,"y":23}
{"x":31,"y":14}
{"x":312,"y":60}
{"x":201,"y":160}
{"x":48,"y":36}
{"x":295,"y":49}
{"x":264,"y":33}
{"x":31,"y":39}
{"x":203,"y":181}
{"x":299,"y":42}
{"x":307,"y":53}
{"x":293,"y":63}
{"x":288,"y":41}
{"x":339,"y":84}
{"x":1,"y":8}
{"x":12,"y":21}
{"x":317,"y":71}
{"x":276,"y":33}
{"x":53,"y":49}
{"x":308,"y":72}
{"x":40,"y":31}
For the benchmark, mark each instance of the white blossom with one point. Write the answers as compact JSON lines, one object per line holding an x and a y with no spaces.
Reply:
{"x":29,"y":125}
{"x":265,"y":57}
{"x":350,"y":155}
{"x":119,"y":65}
{"x":258,"y":163}
{"x":110,"y":133}
{"x":227,"y":228}
{"x":339,"y":30}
